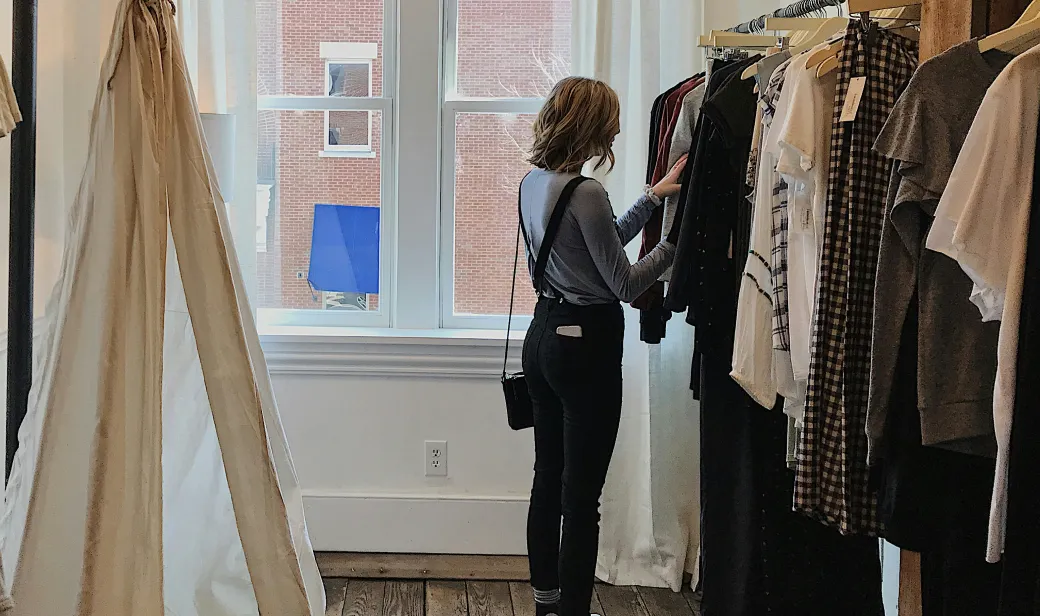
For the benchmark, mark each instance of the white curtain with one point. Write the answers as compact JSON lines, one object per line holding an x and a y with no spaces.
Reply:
{"x":650,"y":503}
{"x":220,"y":46}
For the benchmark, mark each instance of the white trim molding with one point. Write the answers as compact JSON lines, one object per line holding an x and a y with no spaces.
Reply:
{"x":366,"y":51}
{"x":410,"y":524}
{"x":389,"y":353}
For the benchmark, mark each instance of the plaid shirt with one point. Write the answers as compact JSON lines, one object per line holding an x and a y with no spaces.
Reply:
{"x":831,"y":482}
{"x":769,"y":98}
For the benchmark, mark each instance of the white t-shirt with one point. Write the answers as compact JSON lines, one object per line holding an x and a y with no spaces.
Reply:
{"x":804,"y":142}
{"x":755,"y":365}
{"x":754,"y":368}
{"x":796,"y":146}
{"x":982,"y":222}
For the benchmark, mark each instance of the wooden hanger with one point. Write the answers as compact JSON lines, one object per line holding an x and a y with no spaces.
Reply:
{"x":818,"y":57}
{"x":810,"y":25}
{"x":1026,"y":29}
{"x":866,"y":6}
{"x":722,"y":38}
{"x":826,"y":31}
{"x":752,"y":70}
{"x":826,"y":60}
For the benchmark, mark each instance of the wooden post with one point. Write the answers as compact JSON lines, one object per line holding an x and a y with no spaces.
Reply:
{"x":945,"y":23}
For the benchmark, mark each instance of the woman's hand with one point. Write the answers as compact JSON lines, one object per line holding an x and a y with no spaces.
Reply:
{"x":670,"y":185}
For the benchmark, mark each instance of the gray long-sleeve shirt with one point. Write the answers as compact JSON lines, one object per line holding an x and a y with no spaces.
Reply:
{"x":588,"y":263}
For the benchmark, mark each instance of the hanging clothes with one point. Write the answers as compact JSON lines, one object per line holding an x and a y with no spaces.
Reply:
{"x":981,"y":221}
{"x":803,"y":140}
{"x":832,"y":482}
{"x":664,"y":120}
{"x":930,"y":426}
{"x":956,"y":359}
{"x":757,"y":555}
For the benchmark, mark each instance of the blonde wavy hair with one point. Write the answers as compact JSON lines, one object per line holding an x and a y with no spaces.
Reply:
{"x":577,"y":123}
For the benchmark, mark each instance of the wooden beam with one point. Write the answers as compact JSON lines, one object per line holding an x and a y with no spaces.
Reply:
{"x":910,"y":584}
{"x":422,"y":566}
{"x":945,"y":23}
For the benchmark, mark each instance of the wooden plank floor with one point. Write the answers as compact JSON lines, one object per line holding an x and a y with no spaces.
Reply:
{"x":355,"y":597}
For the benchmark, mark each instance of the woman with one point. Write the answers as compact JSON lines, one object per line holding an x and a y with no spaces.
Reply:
{"x":572,"y":353}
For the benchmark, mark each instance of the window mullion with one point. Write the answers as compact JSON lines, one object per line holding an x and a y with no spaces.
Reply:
{"x":417,"y":112}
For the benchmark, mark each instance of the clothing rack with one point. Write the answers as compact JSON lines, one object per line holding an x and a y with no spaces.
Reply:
{"x":23,"y":217}
{"x":798,"y":9}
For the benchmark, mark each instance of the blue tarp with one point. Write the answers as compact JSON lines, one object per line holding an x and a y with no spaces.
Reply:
{"x":345,"y":249}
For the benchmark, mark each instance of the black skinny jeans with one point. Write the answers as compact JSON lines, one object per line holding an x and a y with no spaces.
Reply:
{"x":575,"y":387}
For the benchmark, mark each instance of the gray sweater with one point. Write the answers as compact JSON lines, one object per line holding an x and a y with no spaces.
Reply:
{"x":588,"y":263}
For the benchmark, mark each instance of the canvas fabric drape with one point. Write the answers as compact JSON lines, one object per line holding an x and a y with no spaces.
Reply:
{"x":650,"y":523}
{"x":153,"y":452}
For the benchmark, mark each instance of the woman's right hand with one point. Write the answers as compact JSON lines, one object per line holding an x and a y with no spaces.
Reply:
{"x":670,"y":185}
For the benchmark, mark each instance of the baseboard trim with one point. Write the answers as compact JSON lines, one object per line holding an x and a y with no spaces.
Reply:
{"x":407,"y":524}
{"x":423,"y":566}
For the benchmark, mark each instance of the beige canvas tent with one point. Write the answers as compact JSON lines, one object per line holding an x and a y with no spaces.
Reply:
{"x":152,"y":475}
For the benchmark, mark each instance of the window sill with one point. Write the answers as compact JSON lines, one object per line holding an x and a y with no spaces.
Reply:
{"x":341,"y":351}
{"x":346,"y":154}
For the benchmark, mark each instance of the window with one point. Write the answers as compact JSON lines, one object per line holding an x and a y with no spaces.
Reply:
{"x":348,"y":131}
{"x":424,"y":114}
{"x":504,"y":57}
{"x":324,"y":119}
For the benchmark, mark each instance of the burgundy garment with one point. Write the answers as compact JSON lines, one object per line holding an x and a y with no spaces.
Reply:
{"x":653,"y":231}
{"x":664,"y":148}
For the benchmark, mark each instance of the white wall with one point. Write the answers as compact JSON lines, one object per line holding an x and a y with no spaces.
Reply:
{"x":358,"y":444}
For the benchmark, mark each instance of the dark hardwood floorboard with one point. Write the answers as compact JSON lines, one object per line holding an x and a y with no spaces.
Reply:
{"x":364,"y":598}
{"x":489,"y":599}
{"x":596,"y":607}
{"x":334,"y":591}
{"x":359,"y":597}
{"x":620,"y":601}
{"x":523,"y":598}
{"x":404,"y":599}
{"x":664,"y":602}
{"x":692,"y":598}
{"x":446,"y":599}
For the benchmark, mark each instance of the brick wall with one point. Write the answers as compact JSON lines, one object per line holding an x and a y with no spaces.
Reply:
{"x":506,"y":48}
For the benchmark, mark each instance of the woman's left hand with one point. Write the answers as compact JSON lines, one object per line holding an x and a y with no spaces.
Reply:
{"x":671,"y":184}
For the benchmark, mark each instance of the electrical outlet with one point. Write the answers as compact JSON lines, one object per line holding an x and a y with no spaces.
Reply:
{"x":436,"y":458}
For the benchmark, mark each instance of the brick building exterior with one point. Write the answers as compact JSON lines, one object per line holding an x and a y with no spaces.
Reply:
{"x":506,"y":48}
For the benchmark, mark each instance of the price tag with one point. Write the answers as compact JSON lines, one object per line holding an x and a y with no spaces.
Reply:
{"x":852,"y":99}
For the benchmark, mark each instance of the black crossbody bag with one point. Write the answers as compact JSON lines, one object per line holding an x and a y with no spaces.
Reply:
{"x":519,"y":411}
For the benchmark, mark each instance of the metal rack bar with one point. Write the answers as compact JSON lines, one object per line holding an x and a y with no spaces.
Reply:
{"x":23,"y":217}
{"x":798,"y":9}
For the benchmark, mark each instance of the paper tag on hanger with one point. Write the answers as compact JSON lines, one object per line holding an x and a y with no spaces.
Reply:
{"x":852,"y":99}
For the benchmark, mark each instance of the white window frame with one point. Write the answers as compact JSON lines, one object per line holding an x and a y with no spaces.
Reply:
{"x":269,"y":318}
{"x":418,"y":107}
{"x":362,"y":149}
{"x":452,"y":105}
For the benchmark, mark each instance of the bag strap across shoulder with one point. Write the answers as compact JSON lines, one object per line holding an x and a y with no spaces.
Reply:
{"x":551,"y":230}
{"x":544,"y":250}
